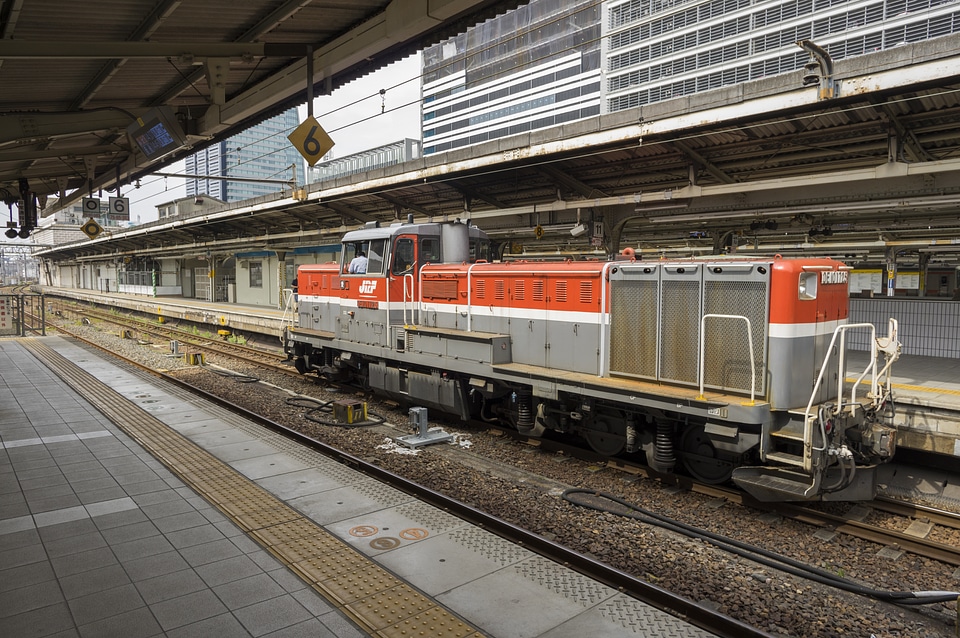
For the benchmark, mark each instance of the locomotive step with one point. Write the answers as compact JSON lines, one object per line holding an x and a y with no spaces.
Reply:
{"x":793,"y":432}
{"x":764,"y":483}
{"x":786,"y":459}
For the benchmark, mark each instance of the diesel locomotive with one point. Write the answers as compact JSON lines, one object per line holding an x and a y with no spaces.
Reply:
{"x":731,"y":368}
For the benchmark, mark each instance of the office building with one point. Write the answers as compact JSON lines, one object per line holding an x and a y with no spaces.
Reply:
{"x":541,"y":65}
{"x":260,"y":152}
{"x":661,"y":49}
{"x":368,"y":160}
{"x":531,"y":68}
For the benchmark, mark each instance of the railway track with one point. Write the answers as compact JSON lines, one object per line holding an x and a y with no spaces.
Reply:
{"x":849,"y":524}
{"x":193,"y":342}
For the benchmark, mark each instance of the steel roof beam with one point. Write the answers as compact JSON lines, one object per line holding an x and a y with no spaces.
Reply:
{"x":572,"y":183}
{"x":348,"y":212}
{"x":704,"y":162}
{"x":396,"y":201}
{"x":84,"y":49}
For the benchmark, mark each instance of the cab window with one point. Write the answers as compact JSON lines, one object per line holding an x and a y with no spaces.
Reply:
{"x":363,"y":257}
{"x":480,"y":250}
{"x":430,"y":250}
{"x":403,"y":256}
{"x":375,"y":256}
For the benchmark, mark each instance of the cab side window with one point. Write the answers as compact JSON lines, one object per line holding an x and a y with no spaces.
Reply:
{"x":430,"y":250}
{"x":403,"y":256}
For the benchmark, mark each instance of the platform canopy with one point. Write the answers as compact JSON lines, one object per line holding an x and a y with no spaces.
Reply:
{"x":80,"y":81}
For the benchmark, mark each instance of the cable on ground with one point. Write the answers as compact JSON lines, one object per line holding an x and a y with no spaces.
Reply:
{"x":318,"y":411}
{"x":754,"y":553}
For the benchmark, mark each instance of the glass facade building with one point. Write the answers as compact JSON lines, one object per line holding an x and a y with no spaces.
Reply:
{"x":531,"y":68}
{"x":556,"y":61}
{"x":260,"y":152}
{"x":371,"y":159}
{"x":660,"y":49}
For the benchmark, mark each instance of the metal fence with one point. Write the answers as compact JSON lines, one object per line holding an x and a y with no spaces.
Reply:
{"x":22,"y":314}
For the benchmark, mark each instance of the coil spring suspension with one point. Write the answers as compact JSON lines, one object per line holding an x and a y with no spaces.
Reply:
{"x":524,"y":409}
{"x":663,"y":457}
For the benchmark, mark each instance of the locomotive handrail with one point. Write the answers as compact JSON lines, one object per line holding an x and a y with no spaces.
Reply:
{"x":408,"y":300}
{"x":839,"y":331}
{"x":753,"y":369}
{"x":470,"y":297}
{"x":604,"y":331}
{"x":288,"y":307}
{"x":892,"y":349}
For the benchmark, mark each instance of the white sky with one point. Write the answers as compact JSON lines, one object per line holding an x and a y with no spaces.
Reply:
{"x":351,"y":116}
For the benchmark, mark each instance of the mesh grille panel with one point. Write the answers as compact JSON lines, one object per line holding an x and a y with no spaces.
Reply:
{"x":633,"y":328}
{"x":680,"y":301}
{"x":727,"y":356}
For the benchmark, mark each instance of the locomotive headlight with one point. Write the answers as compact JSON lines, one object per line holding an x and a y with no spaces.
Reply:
{"x":808,"y":285}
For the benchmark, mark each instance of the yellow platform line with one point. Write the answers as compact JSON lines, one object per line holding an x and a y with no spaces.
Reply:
{"x":372,"y":597}
{"x":917,"y":388}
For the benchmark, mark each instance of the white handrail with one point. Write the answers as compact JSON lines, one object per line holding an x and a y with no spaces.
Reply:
{"x":288,"y":307}
{"x":840,"y":330}
{"x":605,"y":329}
{"x":408,"y":300}
{"x":753,"y":370}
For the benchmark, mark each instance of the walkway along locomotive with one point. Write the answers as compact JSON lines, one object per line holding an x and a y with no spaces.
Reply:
{"x":733,"y":367}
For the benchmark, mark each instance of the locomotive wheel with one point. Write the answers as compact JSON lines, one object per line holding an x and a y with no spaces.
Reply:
{"x":604,"y":438}
{"x":701,"y":459}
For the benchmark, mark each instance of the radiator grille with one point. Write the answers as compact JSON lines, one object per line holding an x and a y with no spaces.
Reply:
{"x":727,"y":353}
{"x":586,"y":292}
{"x":561,"y":291}
{"x":499,"y":290}
{"x":680,"y":328}
{"x":480,"y":288}
{"x":539,"y":286}
{"x":519,"y":290}
{"x":439,"y":289}
{"x":655,"y":319}
{"x":633,"y":328}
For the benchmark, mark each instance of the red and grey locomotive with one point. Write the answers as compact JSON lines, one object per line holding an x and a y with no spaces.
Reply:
{"x":734,"y":368}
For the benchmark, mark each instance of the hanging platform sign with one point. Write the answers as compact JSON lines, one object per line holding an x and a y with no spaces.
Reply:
{"x":311,"y":140}
{"x":91,"y":228}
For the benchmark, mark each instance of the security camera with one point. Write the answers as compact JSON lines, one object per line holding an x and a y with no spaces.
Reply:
{"x":198,"y":201}
{"x":578,"y":230}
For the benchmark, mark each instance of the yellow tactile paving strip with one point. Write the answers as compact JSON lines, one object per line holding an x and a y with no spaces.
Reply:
{"x":377,"y":601}
{"x":917,"y":388}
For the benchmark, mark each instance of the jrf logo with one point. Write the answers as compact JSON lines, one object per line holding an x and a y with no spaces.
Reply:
{"x":368,"y":287}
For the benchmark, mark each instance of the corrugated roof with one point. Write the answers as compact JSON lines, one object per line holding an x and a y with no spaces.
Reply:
{"x":50,"y":104}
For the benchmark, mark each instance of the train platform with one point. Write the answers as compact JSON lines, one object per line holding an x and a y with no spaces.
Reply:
{"x":129,"y":507}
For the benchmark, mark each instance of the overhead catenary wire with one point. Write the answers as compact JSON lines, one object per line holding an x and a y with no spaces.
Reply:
{"x":756,"y":554}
